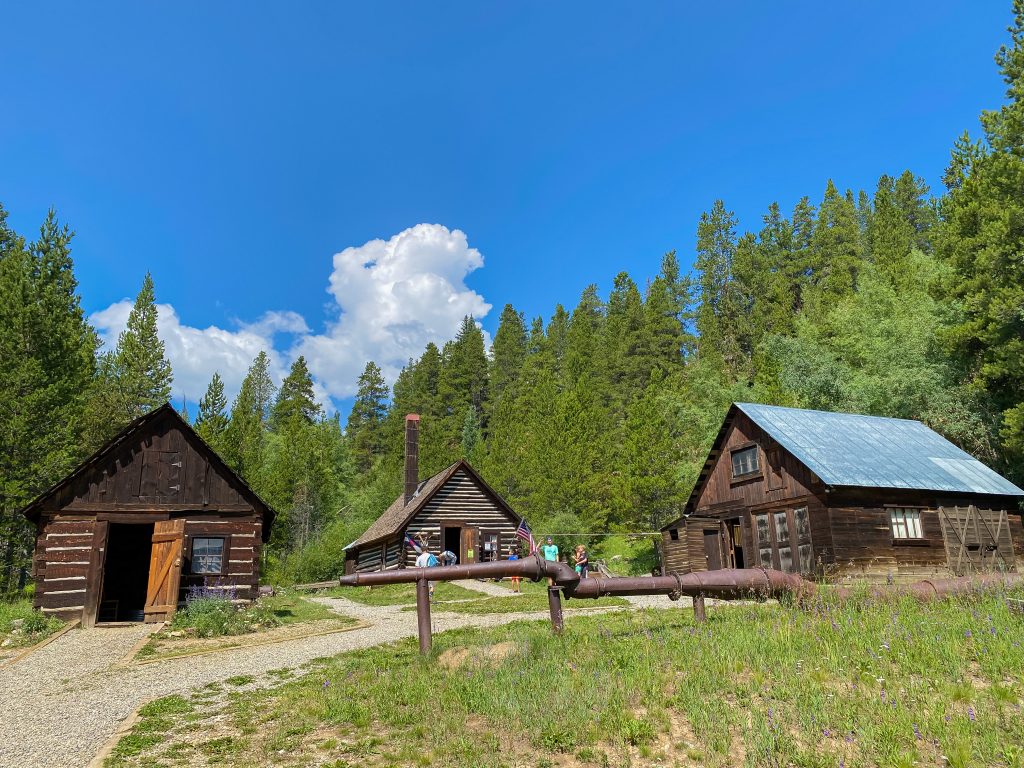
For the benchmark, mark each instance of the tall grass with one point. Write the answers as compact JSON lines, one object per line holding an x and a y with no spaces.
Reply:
{"x":858,"y":684}
{"x":20,"y":624}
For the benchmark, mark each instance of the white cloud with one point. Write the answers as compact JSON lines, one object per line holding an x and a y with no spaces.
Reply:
{"x":392,"y":297}
{"x":195,"y":353}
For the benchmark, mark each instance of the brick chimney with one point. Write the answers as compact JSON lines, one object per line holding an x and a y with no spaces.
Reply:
{"x":412,"y":455}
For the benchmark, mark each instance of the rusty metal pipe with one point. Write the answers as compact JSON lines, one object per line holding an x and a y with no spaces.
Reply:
{"x":423,"y":615}
{"x":534,"y":568}
{"x":726,"y":584}
{"x":555,"y":609}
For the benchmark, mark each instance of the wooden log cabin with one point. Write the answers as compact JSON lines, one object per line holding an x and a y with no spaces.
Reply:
{"x":150,"y":514}
{"x":838,"y":495}
{"x":454,"y":510}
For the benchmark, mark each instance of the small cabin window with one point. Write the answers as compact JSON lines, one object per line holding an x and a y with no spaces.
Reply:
{"x":674,"y":534}
{"x":906,"y":523}
{"x":207,"y":555}
{"x":744,"y":461}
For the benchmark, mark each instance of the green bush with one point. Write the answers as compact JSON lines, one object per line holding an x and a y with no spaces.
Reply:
{"x":34,"y":625}
{"x":218,"y":616}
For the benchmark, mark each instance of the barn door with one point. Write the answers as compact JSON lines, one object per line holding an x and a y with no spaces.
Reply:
{"x":976,"y":540}
{"x":94,"y":579}
{"x":469,"y":553}
{"x":165,"y":569}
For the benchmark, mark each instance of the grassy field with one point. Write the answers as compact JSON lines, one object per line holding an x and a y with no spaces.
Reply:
{"x":33,"y":626}
{"x":399,"y":594}
{"x":531,"y":600}
{"x":861,"y":684}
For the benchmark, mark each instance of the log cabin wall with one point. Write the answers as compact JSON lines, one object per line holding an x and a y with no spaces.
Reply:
{"x":461,"y":502}
{"x":675,"y":557}
{"x":158,"y":469}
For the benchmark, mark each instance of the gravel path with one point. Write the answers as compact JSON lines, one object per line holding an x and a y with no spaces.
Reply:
{"x":59,"y":705}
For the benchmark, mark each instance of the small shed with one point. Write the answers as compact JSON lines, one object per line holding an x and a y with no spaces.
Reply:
{"x":838,"y":494}
{"x":150,"y":514}
{"x":454,"y":510}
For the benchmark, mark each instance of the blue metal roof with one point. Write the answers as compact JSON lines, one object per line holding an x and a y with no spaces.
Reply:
{"x":847,"y":449}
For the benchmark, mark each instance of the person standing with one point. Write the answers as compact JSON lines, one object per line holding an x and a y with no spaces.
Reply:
{"x":549,"y":550}
{"x":513,"y":554}
{"x":427,"y":560}
{"x":582,"y":561}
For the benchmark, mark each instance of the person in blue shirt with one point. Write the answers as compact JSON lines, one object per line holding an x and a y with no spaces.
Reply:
{"x":513,"y":554}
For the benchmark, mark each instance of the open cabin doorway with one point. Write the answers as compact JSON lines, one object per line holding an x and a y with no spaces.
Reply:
{"x":452,"y":541}
{"x":126,"y":572}
{"x":734,"y":531}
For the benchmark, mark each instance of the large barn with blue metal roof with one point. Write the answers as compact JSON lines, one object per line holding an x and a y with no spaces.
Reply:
{"x":839,"y":495}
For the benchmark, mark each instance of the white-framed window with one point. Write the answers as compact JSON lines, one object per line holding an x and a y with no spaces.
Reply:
{"x":208,"y":555}
{"x":906,"y":523}
{"x":744,"y":461}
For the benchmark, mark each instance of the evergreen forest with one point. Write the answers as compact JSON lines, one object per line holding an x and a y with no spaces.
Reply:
{"x":899,"y":301}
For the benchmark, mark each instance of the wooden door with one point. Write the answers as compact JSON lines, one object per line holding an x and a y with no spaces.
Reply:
{"x":976,"y":540}
{"x":713,"y":548}
{"x":469,"y":553}
{"x":94,"y":579}
{"x":165,"y":570}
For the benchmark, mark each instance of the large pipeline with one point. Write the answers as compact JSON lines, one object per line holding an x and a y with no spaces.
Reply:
{"x":725,"y":584}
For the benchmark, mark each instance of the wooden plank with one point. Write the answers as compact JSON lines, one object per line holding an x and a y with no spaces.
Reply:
{"x":94,"y":580}
{"x":164,"y":570}
{"x":156,"y":507}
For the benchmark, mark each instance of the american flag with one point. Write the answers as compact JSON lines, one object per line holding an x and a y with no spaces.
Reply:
{"x":524,"y":533}
{"x":412,"y":544}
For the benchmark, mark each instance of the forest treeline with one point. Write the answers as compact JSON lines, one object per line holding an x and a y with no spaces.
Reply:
{"x":893,"y":301}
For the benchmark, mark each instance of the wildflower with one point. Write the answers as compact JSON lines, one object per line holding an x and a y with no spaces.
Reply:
{"x":326,"y":685}
{"x":849,"y":737}
{"x":967,"y":634}
{"x":970,"y":714}
{"x":917,"y":733}
{"x":826,"y":732}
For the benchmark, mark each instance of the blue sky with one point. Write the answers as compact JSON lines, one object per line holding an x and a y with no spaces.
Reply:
{"x":233,"y":150}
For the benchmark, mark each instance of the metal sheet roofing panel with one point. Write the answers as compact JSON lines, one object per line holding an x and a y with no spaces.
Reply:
{"x":847,"y":449}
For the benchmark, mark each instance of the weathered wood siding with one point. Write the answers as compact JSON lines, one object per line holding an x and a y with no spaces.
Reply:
{"x":243,"y":537}
{"x":61,"y":564}
{"x":675,"y":557}
{"x":781,"y":477}
{"x":162,"y":470}
{"x":369,"y":558}
{"x":461,"y":502}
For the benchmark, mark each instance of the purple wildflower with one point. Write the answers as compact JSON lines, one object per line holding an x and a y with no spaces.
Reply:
{"x":967,"y":634}
{"x":826,"y":732}
{"x":917,"y":733}
{"x":326,"y":685}
{"x":970,"y":714}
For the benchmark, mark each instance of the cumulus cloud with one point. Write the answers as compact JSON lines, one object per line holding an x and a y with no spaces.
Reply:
{"x":391,"y":298}
{"x":394,"y":296}
{"x":195,"y":353}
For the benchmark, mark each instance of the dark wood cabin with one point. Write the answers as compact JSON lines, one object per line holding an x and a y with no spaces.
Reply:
{"x":454,"y":510}
{"x":150,"y":514}
{"x":843,"y":495}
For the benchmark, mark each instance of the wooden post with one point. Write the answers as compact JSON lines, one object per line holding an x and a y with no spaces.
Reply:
{"x":423,"y":615}
{"x":699,"y":613}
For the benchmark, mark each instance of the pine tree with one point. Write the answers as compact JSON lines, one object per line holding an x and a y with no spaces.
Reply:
{"x":135,"y":377}
{"x":296,"y":399}
{"x":508,"y":352}
{"x":47,"y":353}
{"x":462,"y":383}
{"x":245,"y":437}
{"x":718,"y":314}
{"x":212,"y":420}
{"x":981,"y":242}
{"x":365,"y":428}
{"x":836,"y":247}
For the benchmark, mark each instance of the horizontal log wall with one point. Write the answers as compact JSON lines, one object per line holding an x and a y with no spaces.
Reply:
{"x":242,"y":546}
{"x":61,"y":565}
{"x":461,"y":502}
{"x":369,"y":558}
{"x":863,"y":546}
{"x":674,"y":555}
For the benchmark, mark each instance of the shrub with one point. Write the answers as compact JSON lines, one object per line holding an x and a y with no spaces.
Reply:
{"x":211,"y":611}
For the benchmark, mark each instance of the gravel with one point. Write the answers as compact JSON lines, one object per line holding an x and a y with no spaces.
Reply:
{"x":62,"y":703}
